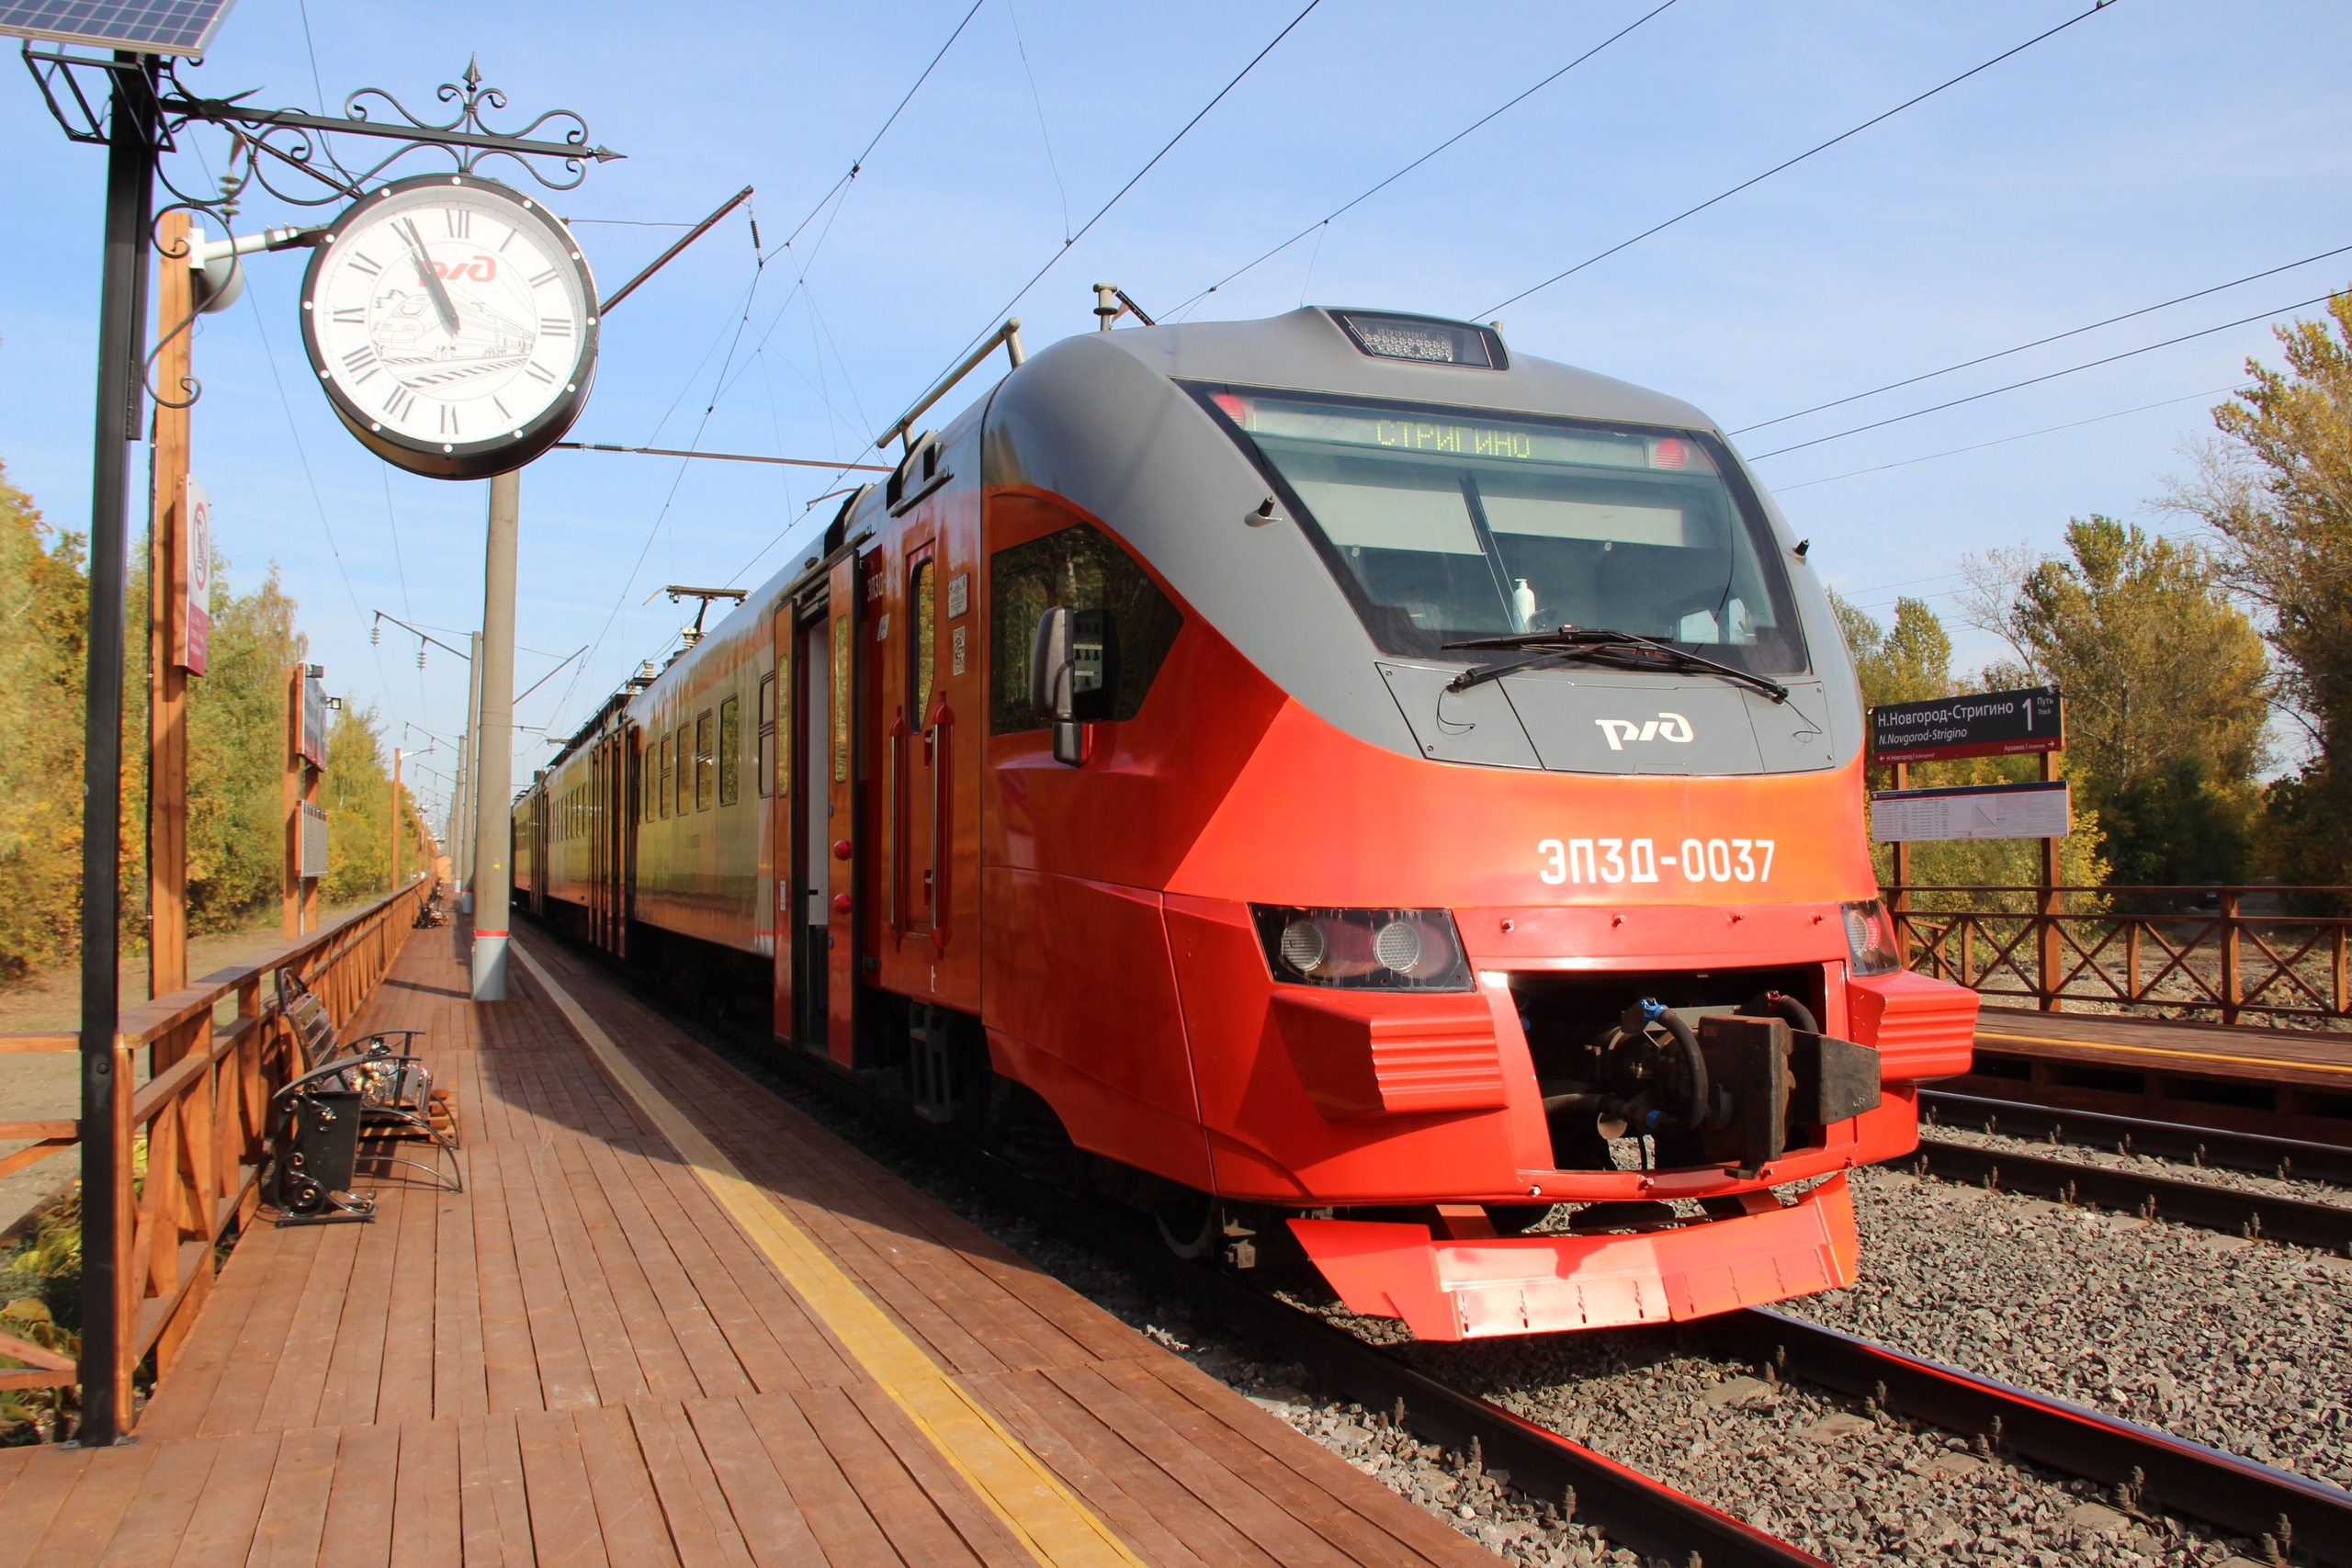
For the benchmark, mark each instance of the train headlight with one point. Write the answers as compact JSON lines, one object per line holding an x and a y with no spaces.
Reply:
{"x":1362,"y":950}
{"x":1302,"y":947}
{"x":1870,"y":938}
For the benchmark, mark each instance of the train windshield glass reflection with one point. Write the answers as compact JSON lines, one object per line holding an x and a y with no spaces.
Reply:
{"x":1452,"y":524}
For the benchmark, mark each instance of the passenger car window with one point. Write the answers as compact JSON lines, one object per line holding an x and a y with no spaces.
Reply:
{"x":731,"y":745}
{"x":703,"y":757}
{"x":1082,"y":567}
{"x":669,"y":771}
{"x":926,"y":619}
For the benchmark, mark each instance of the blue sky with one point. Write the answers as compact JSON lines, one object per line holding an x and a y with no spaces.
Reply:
{"x":2159,"y":147}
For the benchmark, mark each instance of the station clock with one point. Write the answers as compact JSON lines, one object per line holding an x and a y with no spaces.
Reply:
{"x":452,"y":321}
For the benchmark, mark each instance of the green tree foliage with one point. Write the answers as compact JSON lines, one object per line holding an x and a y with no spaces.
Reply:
{"x":1911,"y":661}
{"x":356,"y":794}
{"x":43,"y":604}
{"x":2167,"y":692}
{"x":236,"y":754}
{"x":2276,"y":492}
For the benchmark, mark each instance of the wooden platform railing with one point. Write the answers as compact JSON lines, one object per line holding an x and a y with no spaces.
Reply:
{"x":202,"y":1118}
{"x":2190,"y":947}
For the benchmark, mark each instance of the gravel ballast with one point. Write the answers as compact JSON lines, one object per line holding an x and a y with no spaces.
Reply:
{"x":2149,"y":1165}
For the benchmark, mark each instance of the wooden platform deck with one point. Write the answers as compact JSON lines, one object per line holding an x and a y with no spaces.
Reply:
{"x":2291,"y":1081}
{"x":672,"y":1320}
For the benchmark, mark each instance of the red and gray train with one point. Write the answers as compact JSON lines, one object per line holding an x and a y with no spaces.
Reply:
{"x":1333,"y":783}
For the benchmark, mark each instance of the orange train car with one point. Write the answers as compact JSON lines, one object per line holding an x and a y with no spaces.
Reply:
{"x":1333,"y":783}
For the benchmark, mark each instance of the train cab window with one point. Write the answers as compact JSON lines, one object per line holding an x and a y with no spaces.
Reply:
{"x":923,"y":650}
{"x":1080,"y":566}
{"x":706,"y":754}
{"x":764,"y":765}
{"x":669,"y":771}
{"x":1443,"y":524}
{"x":730,"y":747}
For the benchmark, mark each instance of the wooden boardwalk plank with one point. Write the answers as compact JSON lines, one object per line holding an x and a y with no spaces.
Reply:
{"x":428,"y":1514}
{"x":103,"y":1490}
{"x":628,"y":1512}
{"x":701,"y":1526}
{"x":759,"y":1499}
{"x":829,"y":1504}
{"x":221,"y":1531}
{"x":159,"y":1513}
{"x":358,"y":1528}
{"x":555,"y":1481}
{"x":294,"y":1515}
{"x":496,"y":1514}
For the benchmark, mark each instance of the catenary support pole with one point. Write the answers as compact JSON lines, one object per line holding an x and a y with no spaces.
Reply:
{"x":109,"y":1340}
{"x":396,"y":819}
{"x":494,"y":759}
{"x":468,"y":769}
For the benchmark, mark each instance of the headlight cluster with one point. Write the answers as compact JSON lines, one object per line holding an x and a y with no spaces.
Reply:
{"x":1870,"y":939}
{"x":1362,"y":950}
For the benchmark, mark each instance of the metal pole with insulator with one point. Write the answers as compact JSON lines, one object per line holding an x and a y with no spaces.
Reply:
{"x":109,"y":1340}
{"x":495,"y":752}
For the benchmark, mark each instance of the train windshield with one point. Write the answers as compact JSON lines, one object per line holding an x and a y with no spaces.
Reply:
{"x":1445,"y":525}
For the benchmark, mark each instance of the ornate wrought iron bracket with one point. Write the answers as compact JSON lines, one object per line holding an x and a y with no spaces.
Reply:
{"x":291,"y":140}
{"x":282,"y":142}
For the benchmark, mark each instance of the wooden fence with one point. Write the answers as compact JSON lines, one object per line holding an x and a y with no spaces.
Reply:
{"x":203,"y":1115}
{"x":2197,"y":950}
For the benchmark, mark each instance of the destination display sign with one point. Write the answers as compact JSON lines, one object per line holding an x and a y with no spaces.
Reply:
{"x":1981,"y":811}
{"x":1984,"y":724}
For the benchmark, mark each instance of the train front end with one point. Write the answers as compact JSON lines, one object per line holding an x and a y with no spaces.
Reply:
{"x":1527,"y":943}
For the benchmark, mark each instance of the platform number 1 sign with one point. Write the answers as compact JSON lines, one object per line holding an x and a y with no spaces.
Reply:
{"x":192,"y":630}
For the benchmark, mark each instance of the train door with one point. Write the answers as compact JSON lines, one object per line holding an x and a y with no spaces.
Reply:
{"x":595,"y":842}
{"x":840,"y":835}
{"x":632,"y":786}
{"x":915,"y":774}
{"x":781,"y":772}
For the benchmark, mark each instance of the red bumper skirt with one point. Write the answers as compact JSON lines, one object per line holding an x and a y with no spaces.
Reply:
{"x":1477,"y":1289}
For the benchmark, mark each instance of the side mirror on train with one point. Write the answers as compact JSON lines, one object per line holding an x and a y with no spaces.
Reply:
{"x":1074,"y":674}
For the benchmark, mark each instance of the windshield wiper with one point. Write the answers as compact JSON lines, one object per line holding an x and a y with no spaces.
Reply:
{"x":1622,"y":650}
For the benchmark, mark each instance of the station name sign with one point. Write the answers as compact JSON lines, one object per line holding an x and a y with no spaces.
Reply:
{"x":1984,"y":724}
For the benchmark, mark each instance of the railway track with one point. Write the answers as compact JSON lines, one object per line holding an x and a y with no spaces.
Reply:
{"x":2149,"y":1472}
{"x":2253,"y":1153}
{"x":2146,"y":1193}
{"x":2152,"y":1471}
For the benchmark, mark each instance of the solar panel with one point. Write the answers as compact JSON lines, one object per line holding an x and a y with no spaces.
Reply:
{"x":148,"y":27}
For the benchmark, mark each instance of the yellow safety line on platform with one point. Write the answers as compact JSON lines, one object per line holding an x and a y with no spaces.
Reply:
{"x":1046,"y":1516}
{"x":2167,"y":1050}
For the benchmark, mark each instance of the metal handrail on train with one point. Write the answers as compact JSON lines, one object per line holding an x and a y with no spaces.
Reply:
{"x":1008,"y":335}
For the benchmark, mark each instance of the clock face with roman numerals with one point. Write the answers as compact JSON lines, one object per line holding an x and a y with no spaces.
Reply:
{"x":452,"y":321}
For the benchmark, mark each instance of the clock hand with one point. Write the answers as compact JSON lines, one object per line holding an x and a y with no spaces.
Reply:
{"x":442,"y":304}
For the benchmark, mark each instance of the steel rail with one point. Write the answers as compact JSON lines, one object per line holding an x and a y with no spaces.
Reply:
{"x":2258,"y":1152}
{"x":2159,"y":1472}
{"x":2199,"y":1204}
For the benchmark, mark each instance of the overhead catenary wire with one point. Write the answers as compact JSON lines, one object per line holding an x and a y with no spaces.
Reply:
{"x":2039,"y":341}
{"x":2003,"y":441}
{"x":1366,"y":195}
{"x":858,"y":162}
{"x":1133,"y":180}
{"x":2037,"y":381}
{"x":2097,"y":7}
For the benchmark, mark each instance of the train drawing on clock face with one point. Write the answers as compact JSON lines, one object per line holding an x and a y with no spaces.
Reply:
{"x":410,"y":337}
{"x":1363,"y":796}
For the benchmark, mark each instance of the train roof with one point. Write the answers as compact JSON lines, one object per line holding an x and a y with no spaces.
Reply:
{"x":1306,"y":349}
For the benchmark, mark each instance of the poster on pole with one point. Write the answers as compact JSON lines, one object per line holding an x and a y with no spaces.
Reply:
{"x":1982,"y":724}
{"x":312,"y":862}
{"x":314,"y":718}
{"x":192,"y":628}
{"x":1977,"y":811}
